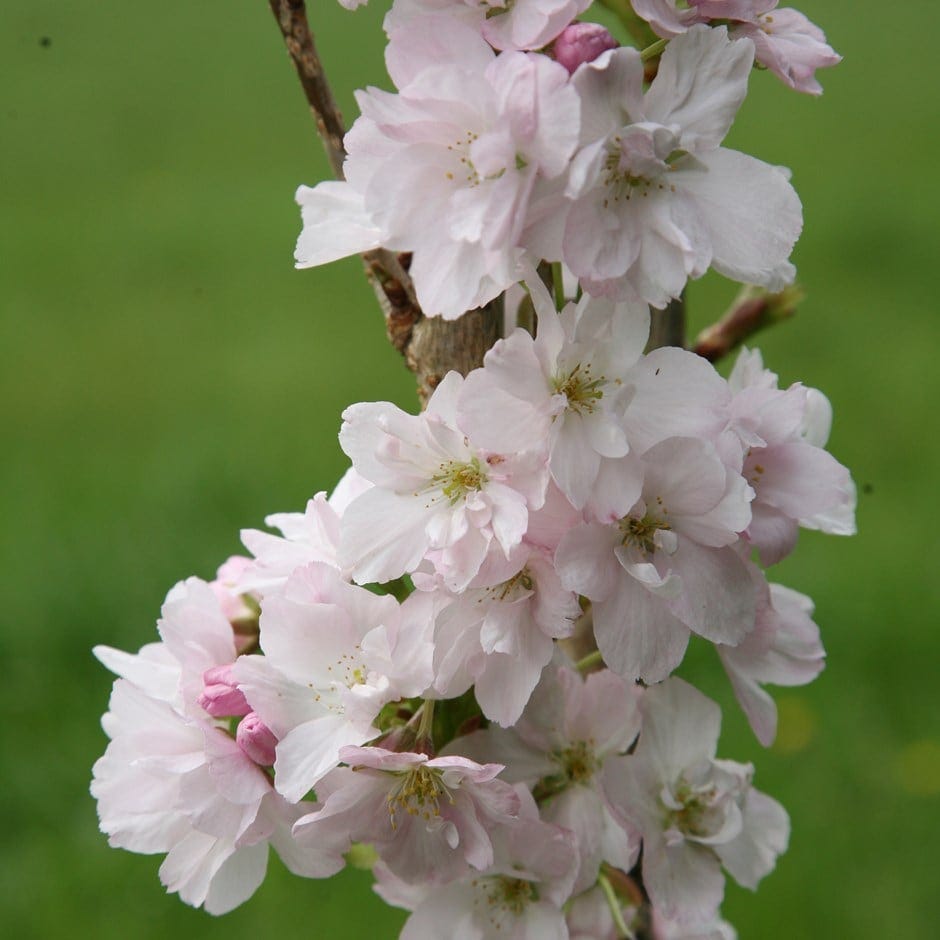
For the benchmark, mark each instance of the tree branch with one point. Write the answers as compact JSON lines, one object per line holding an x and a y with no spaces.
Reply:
{"x":431,"y":346}
{"x":752,"y":310}
{"x":667,"y":326}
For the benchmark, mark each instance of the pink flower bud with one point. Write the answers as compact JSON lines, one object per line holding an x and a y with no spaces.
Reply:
{"x":221,"y":697}
{"x":256,"y":739}
{"x":582,"y":42}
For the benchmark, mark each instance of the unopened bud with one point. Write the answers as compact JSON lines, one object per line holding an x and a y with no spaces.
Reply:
{"x":256,"y":739}
{"x":221,"y":697}
{"x":582,"y":42}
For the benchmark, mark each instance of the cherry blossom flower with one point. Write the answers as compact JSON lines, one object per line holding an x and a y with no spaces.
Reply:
{"x":566,"y":390}
{"x":519,"y":897}
{"x":428,"y":818}
{"x":661,"y":563}
{"x":786,"y":42}
{"x":784,"y":648}
{"x":435,"y":493}
{"x":696,"y":813}
{"x":322,"y":682}
{"x":656,"y":199}
{"x":497,"y":635}
{"x":559,"y":747}
{"x":795,"y":481}
{"x":447,"y":168}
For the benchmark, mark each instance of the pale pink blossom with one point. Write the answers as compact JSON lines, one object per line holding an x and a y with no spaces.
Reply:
{"x":696,"y":813}
{"x":173,"y":784}
{"x":312,"y":535}
{"x":564,"y":392}
{"x":661,"y":561}
{"x":448,"y":168}
{"x":430,"y":819}
{"x":571,"y":726}
{"x":322,"y":682}
{"x":498,"y":633}
{"x":786,"y":42}
{"x":519,"y":897}
{"x":656,"y":199}
{"x":784,"y":648}
{"x":795,"y":482}
{"x":436,"y":495}
{"x":505,"y":24}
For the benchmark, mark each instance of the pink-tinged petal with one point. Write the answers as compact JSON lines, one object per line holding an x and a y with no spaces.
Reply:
{"x":507,"y":682}
{"x":599,"y":243}
{"x":336,"y":224}
{"x":765,"y":835}
{"x":237,"y":879}
{"x":574,"y":462}
{"x":611,"y":90}
{"x":773,"y":533}
{"x":677,"y":394}
{"x":311,"y":750}
{"x":153,"y":670}
{"x":193,"y":862}
{"x":620,"y":845}
{"x":680,"y":728}
{"x":579,"y":810}
{"x":751,"y":212}
{"x":608,"y":714}
{"x":585,"y":560}
{"x":548,"y":524}
{"x":384,"y":534}
{"x":282,"y":704}
{"x":637,"y":634}
{"x":800,"y":480}
{"x":791,"y":47}
{"x":684,"y":475}
{"x":316,"y":861}
{"x":718,"y":599}
{"x":616,"y":488}
{"x":701,"y":83}
{"x":510,"y":515}
{"x":684,"y":881}
{"x":520,"y":425}
{"x":664,"y":16}
{"x":433,"y":40}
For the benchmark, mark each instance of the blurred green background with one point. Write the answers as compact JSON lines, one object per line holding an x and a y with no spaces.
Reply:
{"x":167,"y":378}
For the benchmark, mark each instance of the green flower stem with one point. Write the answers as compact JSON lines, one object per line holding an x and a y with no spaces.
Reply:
{"x":558,"y":284}
{"x":656,"y":49}
{"x":613,"y":902}
{"x":590,"y":661}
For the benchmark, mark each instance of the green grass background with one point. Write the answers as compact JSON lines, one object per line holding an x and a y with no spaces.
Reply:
{"x":166,"y":378}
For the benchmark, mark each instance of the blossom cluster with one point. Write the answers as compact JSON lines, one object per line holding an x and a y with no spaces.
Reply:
{"x":397,"y":668}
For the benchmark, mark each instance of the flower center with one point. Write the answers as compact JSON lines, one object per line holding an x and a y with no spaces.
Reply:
{"x":641,"y":533}
{"x":510,"y":895}
{"x":456,"y":479}
{"x":462,"y":146}
{"x":418,"y":793}
{"x":692,"y":814}
{"x":581,"y":388}
{"x":578,"y":761}
{"x":508,"y":590}
{"x":637,"y":160}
